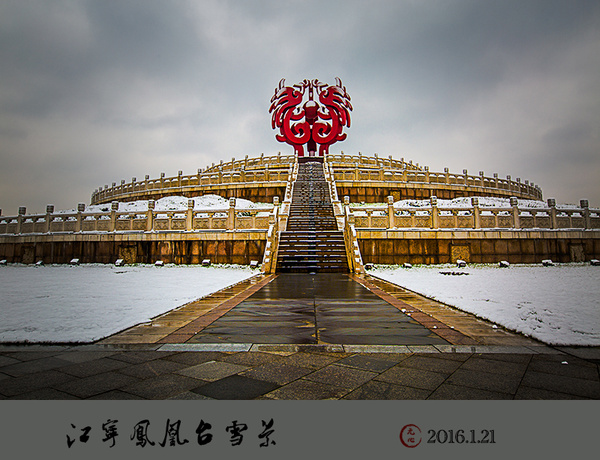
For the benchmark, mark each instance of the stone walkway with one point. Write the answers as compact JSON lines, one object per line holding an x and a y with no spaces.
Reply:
{"x":404,"y":347}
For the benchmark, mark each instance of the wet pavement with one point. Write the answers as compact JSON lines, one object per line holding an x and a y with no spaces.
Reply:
{"x":327,"y":308}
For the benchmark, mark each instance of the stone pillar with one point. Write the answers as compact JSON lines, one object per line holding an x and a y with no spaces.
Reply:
{"x":150,"y":216}
{"x":162,"y":180}
{"x":275,"y":201}
{"x":587,"y":221}
{"x":21,"y":218}
{"x":496,"y":180}
{"x":113,"y":216}
{"x":435,"y":213}
{"x":481,"y":179}
{"x":189,"y":217}
{"x":427,"y":174}
{"x":231,"y":214}
{"x":80,"y":209}
{"x":179,"y":174}
{"x":514,"y":202}
{"x":49,"y":212}
{"x":146,"y":180}
{"x":466,"y":176}
{"x":390,"y":213}
{"x":245,"y":161}
{"x":133,"y":180}
{"x":476,"y":212}
{"x":510,"y":187}
{"x":552,"y":206}
{"x":447,"y":172}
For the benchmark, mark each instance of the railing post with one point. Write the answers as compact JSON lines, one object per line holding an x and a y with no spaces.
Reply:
{"x":552,"y":206}
{"x":496,"y":180}
{"x":49,"y":212}
{"x":150,"y":216}
{"x":133,"y":180}
{"x":231,"y":214}
{"x":113,"y":216}
{"x":162,"y":180}
{"x":476,"y":212}
{"x":510,"y":187}
{"x":465,"y":173}
{"x":391,"y":213}
{"x":80,"y":209}
{"x":189,"y":218}
{"x":21,"y":218}
{"x":179,"y":174}
{"x":587,"y":220}
{"x":427,"y":174}
{"x":514,"y":202}
{"x":481,"y":179}
{"x":146,"y":179}
{"x":435,"y":212}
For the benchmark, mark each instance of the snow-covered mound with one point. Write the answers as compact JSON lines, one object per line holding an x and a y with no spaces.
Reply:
{"x":177,"y":203}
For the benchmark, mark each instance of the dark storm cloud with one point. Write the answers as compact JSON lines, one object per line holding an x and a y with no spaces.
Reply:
{"x":95,"y":91}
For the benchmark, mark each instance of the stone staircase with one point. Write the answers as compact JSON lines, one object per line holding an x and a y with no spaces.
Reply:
{"x":311,"y":242}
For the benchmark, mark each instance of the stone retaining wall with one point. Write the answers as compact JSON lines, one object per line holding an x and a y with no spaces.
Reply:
{"x":477,"y":246}
{"x":179,"y":248}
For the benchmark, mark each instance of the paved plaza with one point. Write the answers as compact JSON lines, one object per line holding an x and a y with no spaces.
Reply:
{"x":302,"y":336}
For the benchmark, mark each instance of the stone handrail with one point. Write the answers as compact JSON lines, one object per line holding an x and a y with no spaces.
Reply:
{"x":342,"y":160}
{"x":351,"y":241}
{"x":269,"y":263}
{"x":476,"y":217}
{"x":270,"y":169}
{"x":335,"y":201}
{"x":425,"y":176}
{"x":152,"y":220}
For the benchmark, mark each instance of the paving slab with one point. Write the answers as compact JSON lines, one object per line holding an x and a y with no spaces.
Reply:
{"x":236,"y":387}
{"x":212,"y":370}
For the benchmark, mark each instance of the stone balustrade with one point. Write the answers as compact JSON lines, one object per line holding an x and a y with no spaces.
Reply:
{"x":386,"y":216}
{"x":151,"y":220}
{"x":355,"y":169}
{"x":273,"y":170}
{"x":343,"y":160}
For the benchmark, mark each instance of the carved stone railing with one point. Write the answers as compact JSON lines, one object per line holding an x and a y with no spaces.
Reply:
{"x":350,"y":168}
{"x":269,"y":263}
{"x":273,"y":170}
{"x":476,"y":217}
{"x":152,"y":220}
{"x":338,"y":211}
{"x":351,"y":240}
{"x":343,"y":160}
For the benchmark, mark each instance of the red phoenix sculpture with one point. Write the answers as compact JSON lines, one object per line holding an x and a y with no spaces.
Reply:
{"x":311,"y":122}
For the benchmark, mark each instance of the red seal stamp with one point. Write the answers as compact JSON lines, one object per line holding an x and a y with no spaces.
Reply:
{"x":410,"y":436}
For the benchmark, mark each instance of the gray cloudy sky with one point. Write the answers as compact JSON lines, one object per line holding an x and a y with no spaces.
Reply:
{"x":92,"y":92}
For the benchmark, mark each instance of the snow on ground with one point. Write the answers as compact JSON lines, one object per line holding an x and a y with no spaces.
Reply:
{"x":177,"y":203}
{"x":63,"y":303}
{"x":559,"y":305}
